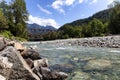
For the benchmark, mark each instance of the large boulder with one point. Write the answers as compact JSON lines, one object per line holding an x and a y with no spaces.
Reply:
{"x":98,"y":65}
{"x":30,"y":53}
{"x":2,"y":77}
{"x":3,"y":43}
{"x":19,"y":70}
{"x":5,"y":67}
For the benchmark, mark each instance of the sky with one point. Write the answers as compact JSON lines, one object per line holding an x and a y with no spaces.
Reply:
{"x":59,"y":12}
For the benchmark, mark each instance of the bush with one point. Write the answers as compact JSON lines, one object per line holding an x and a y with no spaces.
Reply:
{"x":7,"y":34}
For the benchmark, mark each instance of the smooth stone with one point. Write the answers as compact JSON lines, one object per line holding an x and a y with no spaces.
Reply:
{"x":68,"y":68}
{"x":41,"y":63}
{"x":98,"y":65}
{"x":30,"y":53}
{"x":78,"y":75}
{"x":59,"y":75}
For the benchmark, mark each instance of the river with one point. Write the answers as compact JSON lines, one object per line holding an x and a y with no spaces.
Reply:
{"x":81,"y":63}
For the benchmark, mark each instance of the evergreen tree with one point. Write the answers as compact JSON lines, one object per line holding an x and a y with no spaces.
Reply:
{"x":20,"y":15}
{"x":114,"y":25}
{"x":3,"y":21}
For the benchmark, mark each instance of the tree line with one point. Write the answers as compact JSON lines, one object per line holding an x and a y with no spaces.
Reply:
{"x":12,"y":19}
{"x":94,"y":27}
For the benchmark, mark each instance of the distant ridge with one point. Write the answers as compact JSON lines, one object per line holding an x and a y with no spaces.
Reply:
{"x":37,"y":29}
{"x":103,"y":16}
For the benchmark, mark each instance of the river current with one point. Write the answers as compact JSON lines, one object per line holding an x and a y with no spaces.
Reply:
{"x":81,"y":63}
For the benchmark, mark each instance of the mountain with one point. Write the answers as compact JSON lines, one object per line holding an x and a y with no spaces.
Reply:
{"x":37,"y":29}
{"x":103,"y":16}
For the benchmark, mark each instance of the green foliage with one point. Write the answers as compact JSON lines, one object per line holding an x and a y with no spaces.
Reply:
{"x":20,"y":39}
{"x":51,"y":35}
{"x":103,"y":16}
{"x":3,"y":21}
{"x":20,"y":16}
{"x":7,"y":34}
{"x":96,"y":27}
{"x":13,"y":17}
{"x":114,"y":25}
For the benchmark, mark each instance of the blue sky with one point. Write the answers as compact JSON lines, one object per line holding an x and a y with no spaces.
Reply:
{"x":58,"y":12}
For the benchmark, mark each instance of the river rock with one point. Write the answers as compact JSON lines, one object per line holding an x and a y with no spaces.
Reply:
{"x":2,"y":43}
{"x":30,"y":53}
{"x":17,"y":45}
{"x":41,"y":63}
{"x":58,"y":75}
{"x":29,"y":62}
{"x":79,"y":75}
{"x":46,"y":73}
{"x":68,"y":68}
{"x":19,"y":70}
{"x":98,"y":65}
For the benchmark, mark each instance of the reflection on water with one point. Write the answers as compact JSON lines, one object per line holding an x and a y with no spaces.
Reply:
{"x":82,"y":63}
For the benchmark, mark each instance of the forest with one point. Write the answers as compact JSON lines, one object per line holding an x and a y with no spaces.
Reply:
{"x":103,"y":23}
{"x":13,"y":17}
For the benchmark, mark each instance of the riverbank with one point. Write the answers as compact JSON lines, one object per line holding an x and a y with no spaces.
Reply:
{"x":107,"y":41}
{"x":20,"y":63}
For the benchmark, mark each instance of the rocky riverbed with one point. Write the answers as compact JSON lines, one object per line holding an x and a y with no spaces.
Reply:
{"x":83,"y":61}
{"x":19,"y":63}
{"x":107,"y":41}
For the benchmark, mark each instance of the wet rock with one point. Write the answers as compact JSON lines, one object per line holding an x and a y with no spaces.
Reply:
{"x":58,"y":75}
{"x":78,"y":75}
{"x":30,"y":53}
{"x":68,"y":68}
{"x":19,"y":69}
{"x":97,"y":65}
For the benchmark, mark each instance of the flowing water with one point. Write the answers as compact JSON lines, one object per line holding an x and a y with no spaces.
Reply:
{"x":82,"y":63}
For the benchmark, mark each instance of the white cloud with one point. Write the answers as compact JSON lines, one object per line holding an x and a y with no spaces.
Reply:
{"x":81,"y":1}
{"x":93,"y":1}
{"x":110,"y":1}
{"x":69,"y":2}
{"x":58,"y":4}
{"x":42,"y":21}
{"x":43,"y":10}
